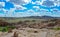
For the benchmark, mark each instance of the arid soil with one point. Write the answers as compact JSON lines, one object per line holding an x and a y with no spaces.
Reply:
{"x":30,"y":32}
{"x":51,"y":23}
{"x":32,"y":28}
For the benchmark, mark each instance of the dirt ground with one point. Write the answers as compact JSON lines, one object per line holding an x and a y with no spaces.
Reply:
{"x":30,"y":32}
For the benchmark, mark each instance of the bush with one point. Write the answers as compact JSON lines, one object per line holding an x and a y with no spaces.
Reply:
{"x":53,"y":20}
{"x":12,"y":27}
{"x":4,"y":30}
{"x":33,"y":20}
{"x":20,"y":22}
{"x":56,"y":28}
{"x":27,"y":21}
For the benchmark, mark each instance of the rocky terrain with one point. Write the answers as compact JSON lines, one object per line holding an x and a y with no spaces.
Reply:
{"x":23,"y":27}
{"x":36,"y":23}
{"x":30,"y":32}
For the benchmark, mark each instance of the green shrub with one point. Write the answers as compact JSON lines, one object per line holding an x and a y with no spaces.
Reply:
{"x":4,"y":30}
{"x":56,"y":28}
{"x":12,"y":27}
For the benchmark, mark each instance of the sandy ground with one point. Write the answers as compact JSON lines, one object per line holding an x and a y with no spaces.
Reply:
{"x":30,"y":32}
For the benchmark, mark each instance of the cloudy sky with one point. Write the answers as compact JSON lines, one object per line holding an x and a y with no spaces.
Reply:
{"x":23,"y":8}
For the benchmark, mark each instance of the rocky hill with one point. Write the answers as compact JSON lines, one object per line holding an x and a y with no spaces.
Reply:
{"x":31,"y":22}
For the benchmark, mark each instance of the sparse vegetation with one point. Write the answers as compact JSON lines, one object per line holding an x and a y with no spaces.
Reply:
{"x":58,"y":28}
{"x":9,"y":30}
{"x":33,"y":20}
{"x":6,"y":24}
{"x":6,"y":28}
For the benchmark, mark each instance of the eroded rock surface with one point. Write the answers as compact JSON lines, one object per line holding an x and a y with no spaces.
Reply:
{"x":30,"y":32}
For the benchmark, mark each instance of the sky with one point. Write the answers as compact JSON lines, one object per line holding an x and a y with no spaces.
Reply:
{"x":24,"y":8}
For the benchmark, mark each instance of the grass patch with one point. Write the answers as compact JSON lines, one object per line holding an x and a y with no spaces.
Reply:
{"x":6,"y":28}
{"x":56,"y":28}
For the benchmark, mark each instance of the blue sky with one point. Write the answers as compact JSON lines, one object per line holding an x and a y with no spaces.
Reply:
{"x":23,"y":8}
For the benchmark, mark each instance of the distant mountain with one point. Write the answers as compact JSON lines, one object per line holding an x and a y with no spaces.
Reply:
{"x":43,"y":22}
{"x":43,"y":17}
{"x":35,"y":17}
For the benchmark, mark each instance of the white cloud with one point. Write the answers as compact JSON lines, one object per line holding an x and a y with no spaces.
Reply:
{"x":19,"y":7}
{"x":20,"y":2}
{"x":7,"y":13}
{"x":37,"y":7}
{"x":44,"y":10}
{"x":45,"y":13}
{"x":12,"y":13}
{"x":48,"y":3}
{"x":2,"y":4}
{"x":55,"y":10}
{"x":27,"y":1}
{"x":33,"y":2}
{"x":7,"y":0}
{"x":4,"y":10}
{"x":37,"y":2}
{"x":52,"y":3}
{"x":33,"y":13}
{"x":2,"y":15}
{"x":26,"y":13}
{"x":57,"y":3}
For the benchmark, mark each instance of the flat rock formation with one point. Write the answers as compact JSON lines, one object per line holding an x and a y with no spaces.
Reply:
{"x":30,"y":32}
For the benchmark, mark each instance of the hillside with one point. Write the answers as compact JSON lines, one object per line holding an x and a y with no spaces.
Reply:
{"x":31,"y":22}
